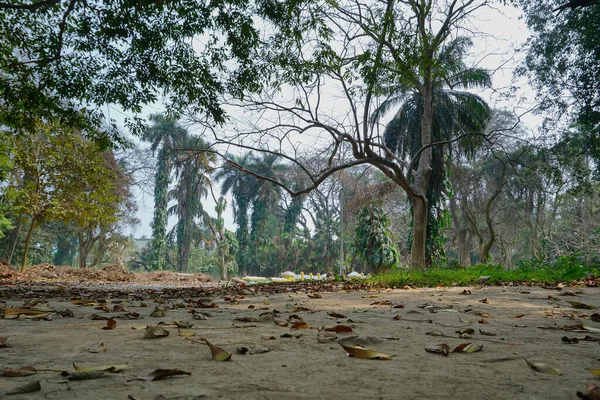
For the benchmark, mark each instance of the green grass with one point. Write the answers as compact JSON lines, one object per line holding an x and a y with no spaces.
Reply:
{"x":564,"y":270}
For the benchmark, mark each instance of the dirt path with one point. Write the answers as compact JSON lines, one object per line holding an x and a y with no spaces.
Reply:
{"x":300,"y":367}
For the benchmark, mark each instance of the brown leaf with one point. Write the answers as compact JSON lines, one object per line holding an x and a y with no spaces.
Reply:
{"x":339,"y":328}
{"x":592,"y":392}
{"x":158,"y":374}
{"x":483,"y":314}
{"x":23,"y":371}
{"x":485,"y":301}
{"x":279,"y":322}
{"x":382,"y":303}
{"x":82,"y":375}
{"x":185,"y":334}
{"x":553,"y":298}
{"x":482,"y":321}
{"x":398,"y":306}
{"x":154,"y":332}
{"x":247,"y":319}
{"x":578,"y":305}
{"x":103,"y":368}
{"x":83,"y":302}
{"x":120,"y":308}
{"x":158,"y":312}
{"x":396,"y":317}
{"x":299,"y":325}
{"x":595,"y":317}
{"x":487,"y":333}
{"x":3,"y":342}
{"x":314,"y":295}
{"x":27,"y":388}
{"x":465,"y":292}
{"x":566,"y":340}
{"x":468,"y":331}
{"x":336,"y":315}
{"x":21,"y":311}
{"x":218,"y":354}
{"x":439,"y":349}
{"x":519,"y":316}
{"x":110,"y":324}
{"x":467,"y":348}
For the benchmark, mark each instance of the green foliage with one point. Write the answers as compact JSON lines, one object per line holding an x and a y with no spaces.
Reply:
{"x":373,"y":240}
{"x":58,"y":57}
{"x":564,"y":270}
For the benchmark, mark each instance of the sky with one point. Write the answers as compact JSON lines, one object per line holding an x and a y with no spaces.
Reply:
{"x":501,"y":33}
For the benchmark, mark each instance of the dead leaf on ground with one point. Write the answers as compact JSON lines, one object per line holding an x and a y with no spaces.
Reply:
{"x":487,"y":333}
{"x":482,"y":321}
{"x":268,"y":337}
{"x":468,"y":331}
{"x":246,"y":319}
{"x":465,"y":292}
{"x":155,"y":332}
{"x":218,"y":354}
{"x":544,"y":368}
{"x":3,"y":342}
{"x":595,"y":372}
{"x":314,"y":295}
{"x":102,"y":368}
{"x":568,"y":294}
{"x":441,"y":348}
{"x":435,"y":333}
{"x":382,"y":303}
{"x":110,"y":324}
{"x":355,"y":349}
{"x":120,"y":308}
{"x":100,"y":349}
{"x":82,"y":375}
{"x":519,"y":316}
{"x":185,"y":334}
{"x":158,"y":374}
{"x":23,"y":371}
{"x":567,"y":340}
{"x":484,"y":301}
{"x":158,"y":312}
{"x":595,"y":317}
{"x":592,"y":392}
{"x":467,"y":348}
{"x":551,"y":298}
{"x":483,"y":314}
{"x":21,"y":311}
{"x":279,"y":322}
{"x":582,"y":306}
{"x":336,"y":315}
{"x":299,"y":325}
{"x":86,"y":303}
{"x":397,"y":317}
{"x":28,"y":388}
{"x":326,"y":339}
{"x":339,"y":328}
{"x":589,"y":328}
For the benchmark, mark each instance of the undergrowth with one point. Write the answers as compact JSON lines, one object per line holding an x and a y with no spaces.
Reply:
{"x":563,"y":270}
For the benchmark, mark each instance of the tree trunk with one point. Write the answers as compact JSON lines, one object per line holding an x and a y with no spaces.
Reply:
{"x":27,"y":241}
{"x":417,"y":251}
{"x":17,"y":230}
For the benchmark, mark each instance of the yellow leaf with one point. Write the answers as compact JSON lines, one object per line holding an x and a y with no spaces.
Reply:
{"x":218,"y":354}
{"x":356,"y":350}
{"x":188,"y":334}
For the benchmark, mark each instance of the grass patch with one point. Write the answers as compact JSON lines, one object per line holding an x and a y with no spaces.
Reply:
{"x":563,"y":270}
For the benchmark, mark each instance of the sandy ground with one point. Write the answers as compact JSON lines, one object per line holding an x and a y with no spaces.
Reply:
{"x":300,"y":367}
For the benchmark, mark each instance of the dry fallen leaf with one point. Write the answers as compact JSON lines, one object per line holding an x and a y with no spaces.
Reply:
{"x":23,"y":371}
{"x":185,"y":334}
{"x":82,"y":375}
{"x":483,"y":314}
{"x":336,"y":315}
{"x":482,"y":321}
{"x":100,"y":349}
{"x":356,"y":350}
{"x":595,"y":372}
{"x":465,"y":292}
{"x":397,"y":317}
{"x":154,"y":332}
{"x":439,"y":349}
{"x":592,"y":392}
{"x":468,"y":331}
{"x":27,"y":388}
{"x":519,"y":316}
{"x":595,"y":317}
{"x":158,"y":374}
{"x":279,"y":322}
{"x":339,"y":328}
{"x":218,"y":354}
{"x":158,"y":312}
{"x":110,"y":324}
{"x":487,"y":333}
{"x":544,"y":368}
{"x":467,"y":348}
{"x":101,"y":368}
{"x":3,"y":342}
{"x":485,"y":301}
{"x":299,"y":325}
{"x":576,"y":304}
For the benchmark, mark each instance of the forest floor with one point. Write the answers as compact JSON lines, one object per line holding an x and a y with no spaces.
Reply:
{"x":279,"y":349}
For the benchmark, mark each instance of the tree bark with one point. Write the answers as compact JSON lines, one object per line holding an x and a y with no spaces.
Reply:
{"x":417,"y":251}
{"x":27,"y":241}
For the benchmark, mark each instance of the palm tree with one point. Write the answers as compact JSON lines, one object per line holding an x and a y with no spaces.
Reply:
{"x":456,"y":114}
{"x":240,"y":185}
{"x":193,"y":164}
{"x":162,"y":135}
